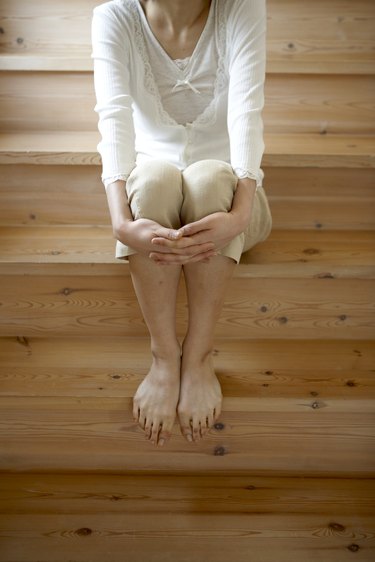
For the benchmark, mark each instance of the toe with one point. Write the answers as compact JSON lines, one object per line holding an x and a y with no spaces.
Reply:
{"x":210,"y":419}
{"x":155,"y":430}
{"x":204,"y":426}
{"x":185,"y":427}
{"x":164,"y":435}
{"x":142,"y":419}
{"x":148,"y":428}
{"x":196,"y":429}
{"x":217,"y":412}
{"x":135,"y":411}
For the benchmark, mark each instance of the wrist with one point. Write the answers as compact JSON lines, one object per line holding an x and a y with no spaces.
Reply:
{"x":121,"y":227}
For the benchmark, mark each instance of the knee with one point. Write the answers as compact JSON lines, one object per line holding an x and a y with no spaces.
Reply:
{"x":208,"y":187}
{"x":154,"y":190}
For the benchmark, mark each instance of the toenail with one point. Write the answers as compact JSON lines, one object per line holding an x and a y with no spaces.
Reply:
{"x":189,"y":437}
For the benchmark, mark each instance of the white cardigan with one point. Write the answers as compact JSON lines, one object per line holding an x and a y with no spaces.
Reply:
{"x":133,"y":123}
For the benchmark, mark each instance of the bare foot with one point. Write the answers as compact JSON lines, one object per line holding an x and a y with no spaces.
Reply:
{"x":200,"y":397}
{"x":154,"y":403}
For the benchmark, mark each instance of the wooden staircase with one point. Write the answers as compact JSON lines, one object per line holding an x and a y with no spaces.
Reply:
{"x":287,"y":474}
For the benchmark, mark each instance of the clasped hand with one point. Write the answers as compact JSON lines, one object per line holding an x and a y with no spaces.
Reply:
{"x":197,"y":241}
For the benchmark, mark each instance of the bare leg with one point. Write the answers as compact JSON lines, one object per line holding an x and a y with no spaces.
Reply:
{"x":200,"y":391}
{"x":155,"y":401}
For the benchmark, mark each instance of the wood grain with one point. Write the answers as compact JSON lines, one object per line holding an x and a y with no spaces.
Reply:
{"x":161,"y":517}
{"x":264,"y":437}
{"x":281,"y":370}
{"x":303,"y":37}
{"x":297,"y":149}
{"x":297,"y":103}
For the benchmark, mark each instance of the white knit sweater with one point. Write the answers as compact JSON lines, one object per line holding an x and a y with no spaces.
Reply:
{"x":133,"y":121}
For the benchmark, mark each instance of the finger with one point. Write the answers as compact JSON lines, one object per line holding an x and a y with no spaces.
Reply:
{"x":184,"y":242}
{"x":194,"y":227}
{"x":168,"y":233}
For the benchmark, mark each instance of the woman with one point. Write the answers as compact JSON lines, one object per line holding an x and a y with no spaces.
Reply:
{"x":179,"y":89}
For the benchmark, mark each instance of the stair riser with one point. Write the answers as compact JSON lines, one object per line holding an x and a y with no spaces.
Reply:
{"x":300,"y":198}
{"x":34,"y":101}
{"x":254,"y":308}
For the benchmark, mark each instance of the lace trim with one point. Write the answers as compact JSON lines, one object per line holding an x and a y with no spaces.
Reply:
{"x":107,"y":181}
{"x":209,"y":113}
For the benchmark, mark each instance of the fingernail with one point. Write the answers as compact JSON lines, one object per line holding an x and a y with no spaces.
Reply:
{"x":161,"y":442}
{"x":189,"y":437}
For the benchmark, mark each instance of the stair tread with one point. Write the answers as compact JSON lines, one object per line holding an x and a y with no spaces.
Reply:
{"x":75,"y":408}
{"x":42,"y":367}
{"x":284,"y":253}
{"x":292,"y":149}
{"x":149,"y":517}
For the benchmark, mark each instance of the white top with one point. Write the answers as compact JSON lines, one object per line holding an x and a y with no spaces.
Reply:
{"x":140,"y":90}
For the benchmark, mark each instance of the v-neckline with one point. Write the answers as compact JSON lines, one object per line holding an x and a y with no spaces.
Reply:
{"x":160,"y":47}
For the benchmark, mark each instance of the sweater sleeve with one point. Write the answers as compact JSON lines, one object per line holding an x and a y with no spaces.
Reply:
{"x":246,"y":43}
{"x":112,"y":90}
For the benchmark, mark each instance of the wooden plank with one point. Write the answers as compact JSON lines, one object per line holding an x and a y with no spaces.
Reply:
{"x":289,"y":181}
{"x":304,"y":437}
{"x":332,"y":212}
{"x":281,"y":250}
{"x":299,"y":308}
{"x":300,"y":104}
{"x":214,"y":538}
{"x":151,"y":518}
{"x":299,"y":198}
{"x":294,"y":149}
{"x":319,"y":37}
{"x":278,"y":371}
{"x":43,"y":493}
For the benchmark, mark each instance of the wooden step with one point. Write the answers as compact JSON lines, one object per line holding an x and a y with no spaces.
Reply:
{"x":294,"y":149}
{"x":60,"y":517}
{"x":302,"y":37}
{"x":299,"y":103}
{"x":299,"y":198}
{"x":298,"y":284}
{"x":289,"y":408}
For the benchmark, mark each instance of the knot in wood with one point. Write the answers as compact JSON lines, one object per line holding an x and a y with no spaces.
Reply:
{"x":311,"y":251}
{"x":336,"y":526}
{"x":84,"y":531}
{"x":219,"y":425}
{"x":219,"y":451}
{"x":353,"y":547}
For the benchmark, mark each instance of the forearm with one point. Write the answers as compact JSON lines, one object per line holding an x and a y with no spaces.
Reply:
{"x":118,"y":204}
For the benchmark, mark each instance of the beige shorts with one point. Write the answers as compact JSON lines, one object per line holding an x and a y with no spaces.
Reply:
{"x":159,"y":191}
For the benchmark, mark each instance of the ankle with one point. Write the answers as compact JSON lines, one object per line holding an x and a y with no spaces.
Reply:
{"x":170,"y":352}
{"x":196,"y":354}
